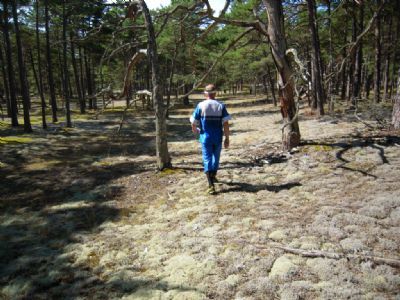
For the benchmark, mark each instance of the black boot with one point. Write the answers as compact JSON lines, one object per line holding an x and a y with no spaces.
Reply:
{"x":214,"y":177}
{"x":211,"y":188}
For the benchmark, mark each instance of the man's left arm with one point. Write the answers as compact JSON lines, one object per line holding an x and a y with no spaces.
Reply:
{"x":226,"y":133}
{"x":225,"y":121}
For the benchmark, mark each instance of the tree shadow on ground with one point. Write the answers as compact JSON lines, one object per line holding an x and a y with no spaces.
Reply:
{"x":376,"y":142}
{"x":254,"y":188}
{"x":55,"y":191}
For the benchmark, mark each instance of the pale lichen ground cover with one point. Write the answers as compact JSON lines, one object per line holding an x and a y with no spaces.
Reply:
{"x":139,"y":234}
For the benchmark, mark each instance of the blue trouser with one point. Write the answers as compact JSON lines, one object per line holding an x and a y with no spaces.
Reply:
{"x":211,"y":154}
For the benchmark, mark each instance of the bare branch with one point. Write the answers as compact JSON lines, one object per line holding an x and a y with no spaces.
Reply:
{"x":167,"y":15}
{"x":356,"y":43}
{"x":134,"y":61}
{"x":231,"y":45}
{"x":239,"y":23}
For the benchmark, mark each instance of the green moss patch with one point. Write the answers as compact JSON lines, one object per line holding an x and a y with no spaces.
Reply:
{"x":15,"y":140}
{"x":316,"y":148}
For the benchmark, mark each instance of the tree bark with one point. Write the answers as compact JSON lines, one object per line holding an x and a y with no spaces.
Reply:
{"x":163,"y":158}
{"x":378,"y":50}
{"x":22,"y":70}
{"x":65,"y":67}
{"x":53,"y":100}
{"x":276,"y":34}
{"x":40,"y":86}
{"x":10,"y":66}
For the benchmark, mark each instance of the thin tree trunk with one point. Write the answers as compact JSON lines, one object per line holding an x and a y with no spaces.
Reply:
{"x":358,"y":59}
{"x":163,"y":158}
{"x":88,"y":80}
{"x":10,"y":66}
{"x":53,"y":100}
{"x":345,"y":69}
{"x":272,"y":85}
{"x":5,"y":81}
{"x":330,"y":69}
{"x":395,"y":51}
{"x":387,"y":59}
{"x":76,"y":75}
{"x":65,"y":67}
{"x":93,"y":78}
{"x":276,"y":34}
{"x":40,"y":86}
{"x":171,"y":77}
{"x":82,"y":81}
{"x":378,"y":50}
{"x":22,"y":70}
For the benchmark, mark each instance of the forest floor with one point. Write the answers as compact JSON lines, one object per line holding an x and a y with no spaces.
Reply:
{"x":84,"y":214}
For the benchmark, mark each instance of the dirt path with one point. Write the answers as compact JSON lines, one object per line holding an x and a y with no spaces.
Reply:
{"x":115,"y":229}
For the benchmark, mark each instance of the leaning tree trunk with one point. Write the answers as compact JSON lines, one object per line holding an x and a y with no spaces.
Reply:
{"x":22,"y":70}
{"x":53,"y":101}
{"x":290,"y":131}
{"x":316,"y":59}
{"x":10,"y":67}
{"x":163,"y":158}
{"x":396,"y":106}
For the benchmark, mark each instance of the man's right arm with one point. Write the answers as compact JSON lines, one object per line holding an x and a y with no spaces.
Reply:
{"x":194,"y":120}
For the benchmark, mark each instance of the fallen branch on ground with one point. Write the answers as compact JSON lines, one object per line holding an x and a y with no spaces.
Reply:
{"x":317,"y":253}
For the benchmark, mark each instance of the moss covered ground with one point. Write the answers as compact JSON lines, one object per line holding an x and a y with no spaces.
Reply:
{"x":85,"y":214}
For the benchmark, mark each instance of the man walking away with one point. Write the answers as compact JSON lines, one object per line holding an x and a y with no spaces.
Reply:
{"x":210,"y":119}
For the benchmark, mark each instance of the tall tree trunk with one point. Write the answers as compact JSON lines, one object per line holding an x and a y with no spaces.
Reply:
{"x":344,"y":71}
{"x":396,"y":106}
{"x":65,"y":67}
{"x":396,"y":52}
{"x":5,"y":80}
{"x":171,"y":77}
{"x":76,"y":75}
{"x":93,"y":78}
{"x":22,"y":70}
{"x":272,"y":85}
{"x":378,"y":50}
{"x":389,"y":48}
{"x":276,"y":34}
{"x":53,"y":100}
{"x":358,"y":59}
{"x":40,"y":87}
{"x":82,"y":80}
{"x":163,"y":158}
{"x":330,"y":69}
{"x":88,"y":79}
{"x":10,"y":66}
